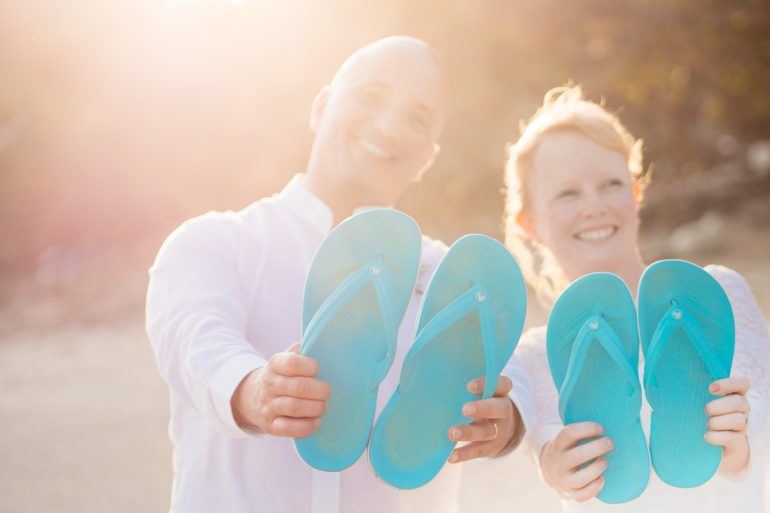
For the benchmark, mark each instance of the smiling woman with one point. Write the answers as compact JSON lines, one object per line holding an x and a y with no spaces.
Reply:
{"x":575,"y":183}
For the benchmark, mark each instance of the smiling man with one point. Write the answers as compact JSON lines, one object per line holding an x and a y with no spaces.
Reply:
{"x":225,"y":300}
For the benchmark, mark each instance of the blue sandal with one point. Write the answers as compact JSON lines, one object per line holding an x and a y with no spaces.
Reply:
{"x":688,"y":336}
{"x":358,"y":287}
{"x":593,"y":354}
{"x":469,"y":324}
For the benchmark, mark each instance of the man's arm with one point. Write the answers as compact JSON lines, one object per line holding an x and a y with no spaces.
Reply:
{"x":196,"y":318}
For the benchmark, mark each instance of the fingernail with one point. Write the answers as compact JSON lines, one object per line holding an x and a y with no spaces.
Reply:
{"x":610,"y":444}
{"x":455,"y":434}
{"x":473,"y":387}
{"x":317,"y":422}
{"x":469,"y":410}
{"x":453,"y":458}
{"x":714,"y":388}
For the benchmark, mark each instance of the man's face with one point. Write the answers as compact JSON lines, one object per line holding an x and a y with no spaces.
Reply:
{"x":377,"y":124}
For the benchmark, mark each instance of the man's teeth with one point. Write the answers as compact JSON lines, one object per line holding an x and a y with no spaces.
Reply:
{"x":596,"y":234}
{"x":374,"y":149}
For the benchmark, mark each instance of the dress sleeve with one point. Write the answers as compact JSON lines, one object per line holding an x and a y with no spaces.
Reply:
{"x":751,"y":359}
{"x":196,"y":318}
{"x":543,"y":422}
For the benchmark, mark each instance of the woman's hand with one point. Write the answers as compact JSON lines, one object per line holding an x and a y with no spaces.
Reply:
{"x":497,"y":423}
{"x":728,"y":423}
{"x":562,"y":457}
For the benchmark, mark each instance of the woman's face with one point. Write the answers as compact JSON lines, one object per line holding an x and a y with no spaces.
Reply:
{"x":581,"y":205}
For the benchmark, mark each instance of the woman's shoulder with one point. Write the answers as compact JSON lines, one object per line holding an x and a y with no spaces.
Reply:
{"x":730,"y":279}
{"x":532,"y":344}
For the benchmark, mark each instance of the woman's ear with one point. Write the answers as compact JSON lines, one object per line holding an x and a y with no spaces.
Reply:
{"x":527,"y":225}
{"x":319,"y":106}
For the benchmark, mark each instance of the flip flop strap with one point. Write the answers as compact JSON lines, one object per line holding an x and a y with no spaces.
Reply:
{"x":595,"y":329}
{"x":376,"y":273}
{"x":477,"y":299}
{"x":675,"y":316}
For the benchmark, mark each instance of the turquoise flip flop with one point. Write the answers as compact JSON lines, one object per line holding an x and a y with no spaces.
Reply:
{"x":470,"y":321}
{"x":593,"y":352}
{"x":688,"y":336}
{"x":358,"y":287}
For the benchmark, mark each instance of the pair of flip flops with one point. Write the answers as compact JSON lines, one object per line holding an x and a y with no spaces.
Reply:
{"x":687,"y":334}
{"x":358,"y":288}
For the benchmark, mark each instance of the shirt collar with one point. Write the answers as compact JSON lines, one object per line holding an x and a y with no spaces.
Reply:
{"x":306,"y":205}
{"x":310,"y":208}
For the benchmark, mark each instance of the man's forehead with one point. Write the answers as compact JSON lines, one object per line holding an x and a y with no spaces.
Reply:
{"x":391,"y":59}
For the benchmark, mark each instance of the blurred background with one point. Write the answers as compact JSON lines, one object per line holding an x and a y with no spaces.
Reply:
{"x":119,"y":120}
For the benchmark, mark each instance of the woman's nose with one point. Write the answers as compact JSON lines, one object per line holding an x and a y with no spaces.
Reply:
{"x":593,"y":204}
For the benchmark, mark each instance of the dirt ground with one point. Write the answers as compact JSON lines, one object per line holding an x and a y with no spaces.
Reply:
{"x":83,"y":416}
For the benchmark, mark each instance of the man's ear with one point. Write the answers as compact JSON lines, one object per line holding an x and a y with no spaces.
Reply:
{"x":429,"y":162}
{"x":319,"y":106}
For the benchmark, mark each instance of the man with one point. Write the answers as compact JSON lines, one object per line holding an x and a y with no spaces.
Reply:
{"x":225,"y":300}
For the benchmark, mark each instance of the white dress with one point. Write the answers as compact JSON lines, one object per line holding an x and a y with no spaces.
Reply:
{"x":740,"y":494}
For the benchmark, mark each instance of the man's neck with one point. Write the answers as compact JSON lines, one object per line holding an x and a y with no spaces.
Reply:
{"x":342,"y":203}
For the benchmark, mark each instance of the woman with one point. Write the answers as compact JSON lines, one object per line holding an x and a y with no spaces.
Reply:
{"x":575,"y":182}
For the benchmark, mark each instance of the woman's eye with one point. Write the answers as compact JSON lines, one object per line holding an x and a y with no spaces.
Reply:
{"x":566,"y":194}
{"x":613,"y":184}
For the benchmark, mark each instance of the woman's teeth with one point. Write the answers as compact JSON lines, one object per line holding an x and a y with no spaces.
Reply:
{"x":596,"y":233}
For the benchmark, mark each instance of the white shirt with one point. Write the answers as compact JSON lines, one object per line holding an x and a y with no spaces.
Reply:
{"x":744,"y":494}
{"x":225,"y":295}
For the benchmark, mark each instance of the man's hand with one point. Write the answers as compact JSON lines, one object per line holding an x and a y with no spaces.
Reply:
{"x":283,"y":398}
{"x":496,"y":425}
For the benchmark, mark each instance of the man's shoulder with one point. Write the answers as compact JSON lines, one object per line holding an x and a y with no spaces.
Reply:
{"x":432,"y":251}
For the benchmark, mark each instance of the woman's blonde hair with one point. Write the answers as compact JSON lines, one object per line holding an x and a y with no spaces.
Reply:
{"x":564,"y":108}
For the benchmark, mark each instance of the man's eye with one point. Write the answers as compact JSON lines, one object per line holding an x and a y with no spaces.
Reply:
{"x":369,"y":97}
{"x":613,"y":184}
{"x":418,"y":123}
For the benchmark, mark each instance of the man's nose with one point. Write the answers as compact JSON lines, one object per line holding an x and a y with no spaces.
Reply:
{"x":389,"y":124}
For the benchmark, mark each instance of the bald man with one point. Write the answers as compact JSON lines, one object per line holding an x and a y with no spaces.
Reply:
{"x":225,"y":300}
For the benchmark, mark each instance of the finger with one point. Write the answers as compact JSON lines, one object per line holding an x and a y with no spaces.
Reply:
{"x":285,"y":406}
{"x":293,"y":364}
{"x":584,"y":476}
{"x":725,"y":438}
{"x":473,"y":450}
{"x":589,"y":491}
{"x":302,"y":388}
{"x":294,"y":428}
{"x":573,"y":433}
{"x":294,"y":348}
{"x":493,"y":408}
{"x":504,"y":385}
{"x":475,"y":432}
{"x":729,"y":422}
{"x":580,"y":454}
{"x":736,"y":385}
{"x":727,"y":404}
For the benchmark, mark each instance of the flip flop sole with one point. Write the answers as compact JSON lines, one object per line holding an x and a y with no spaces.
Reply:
{"x":409,"y":444}
{"x":354,"y":338}
{"x":601,"y":391}
{"x":677,"y":387}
